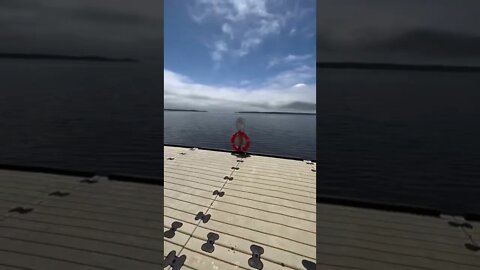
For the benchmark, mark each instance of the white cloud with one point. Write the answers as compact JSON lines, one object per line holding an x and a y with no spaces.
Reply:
{"x":250,"y":20}
{"x":290,"y":59}
{"x":219,"y":48}
{"x":227,"y":29}
{"x":232,"y":10}
{"x":276,"y":93}
{"x":292,"y":31}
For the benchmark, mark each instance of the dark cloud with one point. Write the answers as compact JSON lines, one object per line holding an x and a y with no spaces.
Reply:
{"x":297,"y":106}
{"x":105,"y":15}
{"x":19,"y":4}
{"x":300,"y":106}
{"x":433,"y":43}
{"x":121,"y":28}
{"x":423,"y":31}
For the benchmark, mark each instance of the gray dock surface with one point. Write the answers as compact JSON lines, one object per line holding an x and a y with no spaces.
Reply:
{"x":103,"y":225}
{"x":365,"y":239}
{"x":270,"y":202}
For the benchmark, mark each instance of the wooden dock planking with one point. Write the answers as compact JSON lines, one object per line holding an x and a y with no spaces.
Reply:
{"x":114,"y":225}
{"x":365,"y":239}
{"x":280,"y":218}
{"x":106,"y":225}
{"x":271,"y":202}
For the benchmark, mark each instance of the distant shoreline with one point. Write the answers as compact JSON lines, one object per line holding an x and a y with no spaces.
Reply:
{"x":180,"y":110}
{"x":63,"y":57}
{"x":298,"y":113}
{"x":391,"y":66}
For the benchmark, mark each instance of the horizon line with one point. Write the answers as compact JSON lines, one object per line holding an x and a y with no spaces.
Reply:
{"x":397,"y":66}
{"x":39,"y":56}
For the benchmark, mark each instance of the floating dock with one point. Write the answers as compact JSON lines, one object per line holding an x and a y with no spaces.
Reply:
{"x":220,"y":212}
{"x":271,"y":203}
{"x":52,"y":221}
{"x":366,"y":239}
{"x":258,"y":212}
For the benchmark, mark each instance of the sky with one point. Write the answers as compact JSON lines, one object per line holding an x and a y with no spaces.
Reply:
{"x":231,"y":55}
{"x":109,"y":28}
{"x":394,"y":31}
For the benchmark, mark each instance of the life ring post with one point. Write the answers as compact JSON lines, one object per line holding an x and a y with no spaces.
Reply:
{"x":240,"y":142}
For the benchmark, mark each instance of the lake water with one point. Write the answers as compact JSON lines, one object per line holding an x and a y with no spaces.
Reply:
{"x":102,"y":117}
{"x":403,"y":137}
{"x":108,"y":118}
{"x":284,"y":135}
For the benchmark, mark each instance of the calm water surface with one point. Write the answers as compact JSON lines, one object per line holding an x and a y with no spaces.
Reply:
{"x":403,"y":137}
{"x":102,"y":117}
{"x":285,"y":135}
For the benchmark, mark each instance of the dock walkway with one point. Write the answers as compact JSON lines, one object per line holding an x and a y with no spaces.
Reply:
{"x":249,"y":204}
{"x":56,"y":222}
{"x":271,"y":202}
{"x":59,"y":221}
{"x":350,"y":238}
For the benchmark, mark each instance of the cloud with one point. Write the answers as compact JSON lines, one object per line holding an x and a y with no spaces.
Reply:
{"x":300,"y":106}
{"x":280,"y":92}
{"x":227,"y":29}
{"x":290,"y":59}
{"x":373,"y":31}
{"x":431,"y":43}
{"x":292,"y":31}
{"x":220,"y":47}
{"x":232,"y":10}
{"x":83,"y":27}
{"x":245,"y":23}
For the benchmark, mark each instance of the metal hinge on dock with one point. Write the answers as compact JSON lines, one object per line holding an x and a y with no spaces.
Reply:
{"x":21,"y":210}
{"x":203,"y":217}
{"x":92,"y":180}
{"x":209,"y":246}
{"x":175,"y":262}
{"x":219,"y":193}
{"x":308,"y":265}
{"x":460,"y":224}
{"x":472,"y":247}
{"x":255,"y":261}
{"x":171,"y":233}
{"x":59,"y":194}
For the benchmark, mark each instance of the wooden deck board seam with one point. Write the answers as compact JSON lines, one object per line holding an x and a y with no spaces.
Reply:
{"x":244,"y":198}
{"x":206,"y":212}
{"x":81,"y":237}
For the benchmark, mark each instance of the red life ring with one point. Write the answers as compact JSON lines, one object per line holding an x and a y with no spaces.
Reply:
{"x":244,"y":137}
